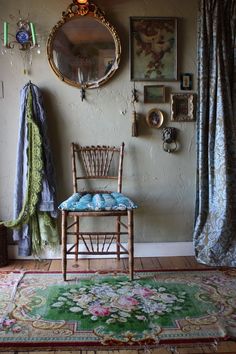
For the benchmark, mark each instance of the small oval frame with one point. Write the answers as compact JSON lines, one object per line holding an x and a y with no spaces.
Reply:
{"x":155,"y":118}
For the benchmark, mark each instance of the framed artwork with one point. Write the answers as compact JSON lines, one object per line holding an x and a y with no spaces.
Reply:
{"x":153,"y":48}
{"x":154,"y":94}
{"x":186,"y":81}
{"x":182,"y":107}
{"x":154,"y":118}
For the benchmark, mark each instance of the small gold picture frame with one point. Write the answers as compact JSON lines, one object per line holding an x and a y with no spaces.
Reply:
{"x":154,"y":118}
{"x":154,"y":94}
{"x":182,"y":107}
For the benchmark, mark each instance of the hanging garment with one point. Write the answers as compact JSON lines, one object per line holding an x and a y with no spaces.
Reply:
{"x":35,"y":208}
{"x":215,"y":226}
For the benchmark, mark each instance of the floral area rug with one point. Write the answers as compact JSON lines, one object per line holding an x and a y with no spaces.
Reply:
{"x":108,"y":311}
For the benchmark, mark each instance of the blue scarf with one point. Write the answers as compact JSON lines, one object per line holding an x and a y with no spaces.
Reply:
{"x":47,"y":200}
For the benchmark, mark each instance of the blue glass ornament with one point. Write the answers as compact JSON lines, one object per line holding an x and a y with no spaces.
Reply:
{"x":22,"y":36}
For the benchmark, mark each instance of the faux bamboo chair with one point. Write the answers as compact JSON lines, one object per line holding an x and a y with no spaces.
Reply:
{"x":97,"y":163}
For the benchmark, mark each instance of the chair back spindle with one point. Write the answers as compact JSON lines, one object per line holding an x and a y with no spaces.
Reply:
{"x":97,"y":162}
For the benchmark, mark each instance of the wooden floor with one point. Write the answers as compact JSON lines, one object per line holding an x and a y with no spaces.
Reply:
{"x":122,"y":265}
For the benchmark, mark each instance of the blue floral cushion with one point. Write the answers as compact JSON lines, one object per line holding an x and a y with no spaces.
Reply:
{"x":94,"y":202}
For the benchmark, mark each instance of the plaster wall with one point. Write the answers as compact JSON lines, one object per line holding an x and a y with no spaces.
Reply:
{"x":162,"y":184}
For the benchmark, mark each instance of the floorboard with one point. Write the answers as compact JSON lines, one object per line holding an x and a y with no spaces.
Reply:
{"x":20,"y":265}
{"x":150,"y":263}
{"x":172,"y":262}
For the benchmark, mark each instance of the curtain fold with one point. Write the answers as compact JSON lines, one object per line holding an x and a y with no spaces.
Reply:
{"x":215,"y":223}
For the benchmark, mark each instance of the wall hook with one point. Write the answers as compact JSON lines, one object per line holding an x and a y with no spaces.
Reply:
{"x":134,"y":114}
{"x":82,"y":93}
{"x":134,"y":95}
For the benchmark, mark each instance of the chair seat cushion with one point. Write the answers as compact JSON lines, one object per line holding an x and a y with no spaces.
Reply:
{"x":95,"y":202}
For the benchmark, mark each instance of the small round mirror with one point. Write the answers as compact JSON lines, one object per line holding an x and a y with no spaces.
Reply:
{"x":84,"y":51}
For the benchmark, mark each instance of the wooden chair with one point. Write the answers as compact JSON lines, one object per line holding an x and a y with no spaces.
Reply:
{"x":97,"y":163}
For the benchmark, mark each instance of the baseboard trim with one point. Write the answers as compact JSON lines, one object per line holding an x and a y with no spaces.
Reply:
{"x":165,"y":249}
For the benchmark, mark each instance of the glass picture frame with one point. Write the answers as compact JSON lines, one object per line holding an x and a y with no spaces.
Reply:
{"x":153,"y":48}
{"x":186,"y":81}
{"x":182,"y":107}
{"x":154,"y":94}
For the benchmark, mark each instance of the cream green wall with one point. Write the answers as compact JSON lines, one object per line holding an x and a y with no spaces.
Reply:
{"x":162,"y":184}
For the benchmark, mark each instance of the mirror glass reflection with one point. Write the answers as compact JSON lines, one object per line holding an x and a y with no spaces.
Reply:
{"x":83,"y":51}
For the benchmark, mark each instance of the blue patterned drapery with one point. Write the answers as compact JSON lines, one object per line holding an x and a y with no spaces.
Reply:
{"x":215,"y":225}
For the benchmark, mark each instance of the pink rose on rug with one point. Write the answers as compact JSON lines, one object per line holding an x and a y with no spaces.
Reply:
{"x":145,"y":292}
{"x":16,"y":329}
{"x":127,"y":302}
{"x":98,"y":310}
{"x":8,"y":322}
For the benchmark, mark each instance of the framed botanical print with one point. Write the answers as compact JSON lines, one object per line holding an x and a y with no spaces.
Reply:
{"x":182,"y":107}
{"x":153,"y":48}
{"x":154,"y":94}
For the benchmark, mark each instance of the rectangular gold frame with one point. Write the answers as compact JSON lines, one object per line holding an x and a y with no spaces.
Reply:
{"x":151,"y":94}
{"x":182,"y":107}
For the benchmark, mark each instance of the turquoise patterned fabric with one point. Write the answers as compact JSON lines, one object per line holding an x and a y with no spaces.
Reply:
{"x":215,"y":226}
{"x":95,"y":202}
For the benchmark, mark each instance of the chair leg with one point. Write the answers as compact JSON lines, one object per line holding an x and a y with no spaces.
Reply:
{"x":76,"y":219}
{"x":64,"y":243}
{"x":118,"y":237}
{"x":131,"y":243}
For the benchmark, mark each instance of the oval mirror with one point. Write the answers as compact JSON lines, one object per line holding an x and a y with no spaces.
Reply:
{"x":84,"y":48}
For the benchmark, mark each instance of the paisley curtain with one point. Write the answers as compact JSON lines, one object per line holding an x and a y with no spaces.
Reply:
{"x":215,"y":223}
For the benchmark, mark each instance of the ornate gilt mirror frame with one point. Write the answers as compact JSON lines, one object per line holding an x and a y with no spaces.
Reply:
{"x":77,"y":10}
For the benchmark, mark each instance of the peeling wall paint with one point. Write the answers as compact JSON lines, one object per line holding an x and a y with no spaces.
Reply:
{"x":162,"y":184}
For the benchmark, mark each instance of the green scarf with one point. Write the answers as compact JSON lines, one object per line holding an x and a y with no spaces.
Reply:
{"x":40,"y":222}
